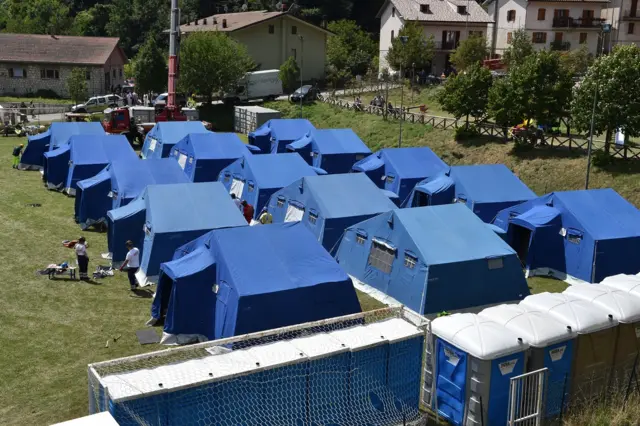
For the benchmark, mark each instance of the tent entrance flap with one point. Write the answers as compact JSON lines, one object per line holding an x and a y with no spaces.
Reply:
{"x":294,"y":213}
{"x":422,"y":199}
{"x":237,"y":187}
{"x":521,"y":240}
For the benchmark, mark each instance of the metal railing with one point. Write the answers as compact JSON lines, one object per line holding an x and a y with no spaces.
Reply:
{"x":526,"y":398}
{"x":568,"y":22}
{"x":446,"y":45}
{"x":560,"y":45}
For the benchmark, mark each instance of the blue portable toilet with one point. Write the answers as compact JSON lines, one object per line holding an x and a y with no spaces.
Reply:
{"x":475,"y":359}
{"x":550,"y":346}
{"x":274,"y":135}
{"x":432,"y":259}
{"x":575,"y":236}
{"x":256,"y":177}
{"x":58,"y":135}
{"x":328,"y":205}
{"x":332,"y":150}
{"x":177,"y":214}
{"x":202,"y":156}
{"x":160,"y":140}
{"x":399,"y":170}
{"x":120,"y":183}
{"x":484,"y":188}
{"x":292,"y":280}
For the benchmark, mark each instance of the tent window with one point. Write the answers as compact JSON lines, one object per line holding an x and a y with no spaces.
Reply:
{"x":574,"y":236}
{"x":390,"y":179}
{"x":182,"y":160}
{"x":410,"y":260}
{"x":381,"y":256}
{"x":313,"y":218}
{"x":495,"y":263}
{"x":252,"y":186}
{"x":294,"y":213}
{"x":359,"y":157}
{"x":280,"y":202}
{"x":237,"y":187}
{"x":361,"y":237}
{"x":227,"y":177}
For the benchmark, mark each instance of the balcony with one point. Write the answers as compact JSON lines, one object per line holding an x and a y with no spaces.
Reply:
{"x":567,"y":22}
{"x":446,"y":45}
{"x":562,"y":46}
{"x":630,"y":15}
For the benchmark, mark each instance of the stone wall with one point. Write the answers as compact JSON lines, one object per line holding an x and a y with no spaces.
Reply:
{"x":33,"y":82}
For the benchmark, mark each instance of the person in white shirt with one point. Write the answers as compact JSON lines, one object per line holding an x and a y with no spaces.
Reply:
{"x":83,"y":259}
{"x":237,"y":202}
{"x":132,"y":263}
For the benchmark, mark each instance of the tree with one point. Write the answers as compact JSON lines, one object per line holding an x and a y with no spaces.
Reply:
{"x":77,"y":84}
{"x":133,"y":21}
{"x":36,"y":16}
{"x":150,"y":68}
{"x":92,"y":22}
{"x":616,"y":78}
{"x":577,"y":62}
{"x":520,"y":49}
{"x":417,"y":50}
{"x":350,"y":48}
{"x":211,"y":62}
{"x":470,"y":52}
{"x":467,"y":94}
{"x":290,"y":74}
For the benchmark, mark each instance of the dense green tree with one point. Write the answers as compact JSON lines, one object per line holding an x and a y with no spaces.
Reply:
{"x":77,"y":85}
{"x":36,"y":16}
{"x":289,"y":74}
{"x":92,"y":22}
{"x":150,"y":68}
{"x":350,"y":48}
{"x":616,"y":78}
{"x":467,"y":94}
{"x":578,"y":61}
{"x":211,"y":62}
{"x":519,"y":49}
{"x":135,"y":20}
{"x":417,"y":50}
{"x":470,"y":52}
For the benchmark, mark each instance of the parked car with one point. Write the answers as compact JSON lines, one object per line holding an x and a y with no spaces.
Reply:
{"x":161,"y":100}
{"x":306,"y":93}
{"x":98,"y":104}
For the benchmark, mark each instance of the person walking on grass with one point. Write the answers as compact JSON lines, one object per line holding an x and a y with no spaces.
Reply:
{"x":132,"y":263}
{"x":83,"y":259}
{"x":17,"y":152}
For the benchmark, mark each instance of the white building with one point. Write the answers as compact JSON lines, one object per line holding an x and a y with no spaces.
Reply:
{"x":555,"y":25}
{"x":448,"y":21}
{"x":625,"y":19}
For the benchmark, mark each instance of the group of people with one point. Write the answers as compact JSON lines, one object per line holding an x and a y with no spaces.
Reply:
{"x":131,"y":99}
{"x":265,"y":218}
{"x":131,"y":263}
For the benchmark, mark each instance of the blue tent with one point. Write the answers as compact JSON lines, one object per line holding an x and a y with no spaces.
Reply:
{"x":274,"y":135}
{"x":126,"y":223}
{"x":204,"y":155}
{"x":575,"y":235}
{"x":177,"y":214}
{"x":263,"y":277}
{"x":333,"y":150}
{"x":121,"y":182}
{"x":433,"y":259}
{"x":164,"y":135}
{"x":486,"y":189}
{"x":256,"y":177}
{"x":400,"y":169}
{"x":57,"y":135}
{"x":83,"y":157}
{"x":328,"y":205}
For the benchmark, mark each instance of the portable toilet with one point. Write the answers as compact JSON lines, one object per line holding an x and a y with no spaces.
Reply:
{"x":593,"y":352}
{"x":550,"y":346}
{"x":625,"y":308}
{"x":475,"y":360}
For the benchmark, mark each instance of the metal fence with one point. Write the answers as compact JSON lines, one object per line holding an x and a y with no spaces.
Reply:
{"x":526,"y":396}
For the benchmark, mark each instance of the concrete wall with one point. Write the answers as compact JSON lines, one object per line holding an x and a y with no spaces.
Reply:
{"x":388,"y":23}
{"x":32,"y":83}
{"x":616,"y":14}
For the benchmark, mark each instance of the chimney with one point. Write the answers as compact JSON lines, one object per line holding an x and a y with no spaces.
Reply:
{"x":224,"y":23}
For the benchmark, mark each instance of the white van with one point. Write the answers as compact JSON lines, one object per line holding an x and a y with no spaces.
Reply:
{"x":265,"y":85}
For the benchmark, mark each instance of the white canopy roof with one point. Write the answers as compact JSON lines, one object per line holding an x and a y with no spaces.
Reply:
{"x":478,"y":336}
{"x":99,"y":419}
{"x":536,"y":328}
{"x":583,"y":317}
{"x":623,"y":306}
{"x":627,"y":283}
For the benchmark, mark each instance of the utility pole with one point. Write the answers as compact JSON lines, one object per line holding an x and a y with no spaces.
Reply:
{"x":403,"y":40}
{"x":301,"y":68}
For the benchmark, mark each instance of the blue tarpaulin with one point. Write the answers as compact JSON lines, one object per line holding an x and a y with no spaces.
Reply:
{"x":575,"y":235}
{"x":328,"y":205}
{"x":126,"y":223}
{"x":486,"y":189}
{"x":433,"y":259}
{"x":177,"y":214}
{"x":124,"y":181}
{"x":274,"y":135}
{"x":256,"y":177}
{"x":400,"y":169}
{"x":161,"y":139}
{"x":291,"y":280}
{"x":204,"y":155}
{"x":57,"y":135}
{"x":333,"y":150}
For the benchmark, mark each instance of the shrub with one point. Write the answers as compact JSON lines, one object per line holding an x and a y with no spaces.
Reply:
{"x":46,"y":93}
{"x":599,"y":158}
{"x":289,"y":74}
{"x":465,"y":133}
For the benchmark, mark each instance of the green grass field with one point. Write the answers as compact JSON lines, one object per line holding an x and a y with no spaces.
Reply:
{"x":51,"y":330}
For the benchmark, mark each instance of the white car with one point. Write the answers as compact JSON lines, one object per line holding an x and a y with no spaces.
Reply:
{"x":98,"y":104}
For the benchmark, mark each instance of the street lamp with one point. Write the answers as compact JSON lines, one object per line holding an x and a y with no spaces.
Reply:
{"x":606,"y":29}
{"x":301,"y":68}
{"x":403,"y":40}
